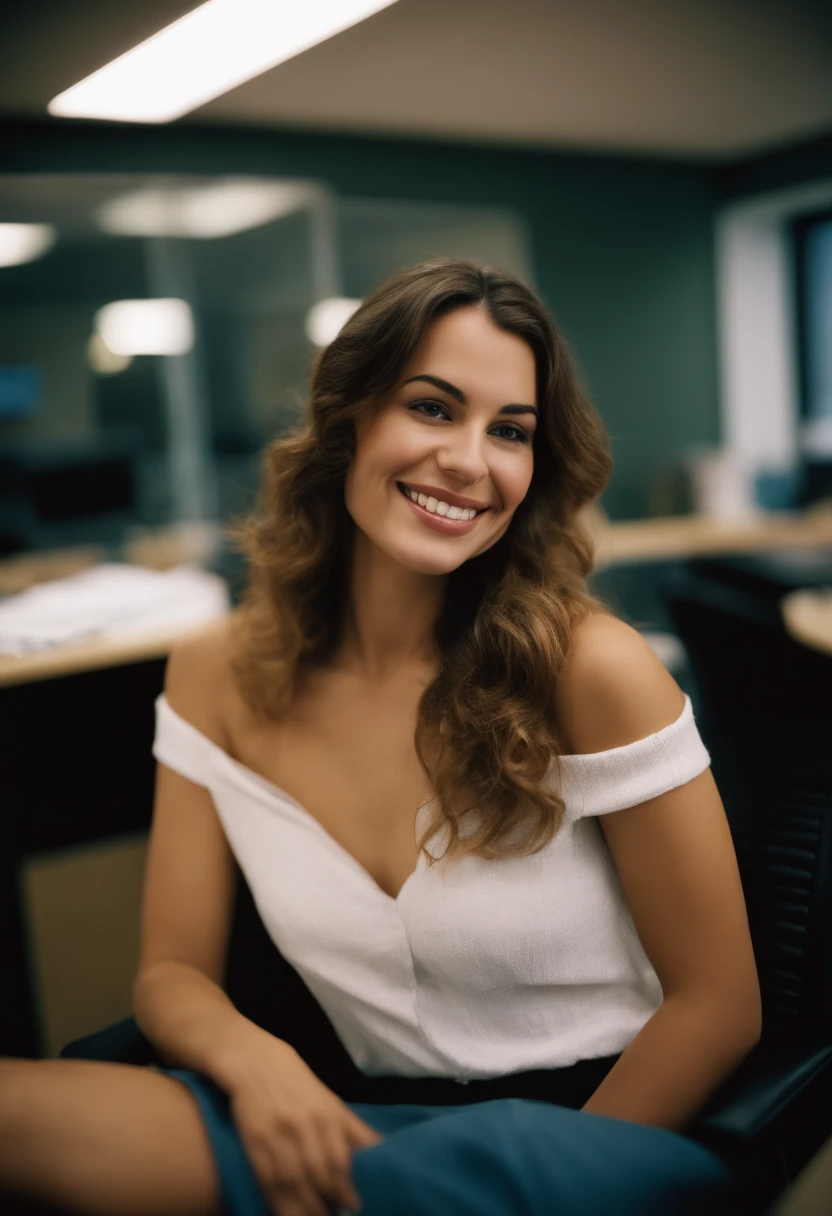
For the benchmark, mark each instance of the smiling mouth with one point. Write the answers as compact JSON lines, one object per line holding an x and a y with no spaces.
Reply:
{"x":403,"y":489}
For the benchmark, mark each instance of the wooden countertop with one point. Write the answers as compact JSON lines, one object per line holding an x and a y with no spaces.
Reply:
{"x":694,"y":535}
{"x":808,"y":617}
{"x":86,"y":656}
{"x":160,"y":550}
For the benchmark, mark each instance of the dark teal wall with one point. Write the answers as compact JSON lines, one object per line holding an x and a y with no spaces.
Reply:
{"x":792,"y":165}
{"x":622,"y":250}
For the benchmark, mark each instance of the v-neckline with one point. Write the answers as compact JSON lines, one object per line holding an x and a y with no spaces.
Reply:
{"x":278,"y":792}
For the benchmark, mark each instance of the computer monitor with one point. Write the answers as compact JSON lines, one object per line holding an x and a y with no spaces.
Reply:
{"x":21,"y":391}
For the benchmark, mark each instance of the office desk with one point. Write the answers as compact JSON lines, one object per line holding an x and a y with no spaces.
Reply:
{"x":808,"y":617}
{"x":85,"y":656}
{"x":699,"y":535}
{"x":77,"y":726}
{"x":77,"y":769}
{"x":18,"y":573}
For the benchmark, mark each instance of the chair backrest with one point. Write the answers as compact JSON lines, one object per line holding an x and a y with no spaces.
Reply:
{"x":768,"y":574}
{"x":266,"y":988}
{"x":764,"y":709}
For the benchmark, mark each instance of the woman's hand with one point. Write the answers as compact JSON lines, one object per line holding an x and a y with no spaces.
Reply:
{"x":297,"y":1134}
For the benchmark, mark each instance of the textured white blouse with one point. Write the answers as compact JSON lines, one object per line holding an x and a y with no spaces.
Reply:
{"x":476,"y":969}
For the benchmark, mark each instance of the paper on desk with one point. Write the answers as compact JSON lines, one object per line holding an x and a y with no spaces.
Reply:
{"x":111,"y":600}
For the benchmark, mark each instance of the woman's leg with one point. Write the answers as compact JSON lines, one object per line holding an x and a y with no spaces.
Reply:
{"x":104,"y":1139}
{"x":533,"y":1158}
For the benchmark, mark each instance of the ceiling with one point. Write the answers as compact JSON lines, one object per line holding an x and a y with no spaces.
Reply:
{"x":703,"y":79}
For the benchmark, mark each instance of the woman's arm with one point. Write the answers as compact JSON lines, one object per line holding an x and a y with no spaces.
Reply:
{"x":678,"y":871}
{"x":297,"y":1134}
{"x":190,"y":875}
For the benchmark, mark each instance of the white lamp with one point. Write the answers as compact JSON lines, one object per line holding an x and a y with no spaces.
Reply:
{"x":146,"y":327}
{"x":326,"y":319}
{"x":21,"y":243}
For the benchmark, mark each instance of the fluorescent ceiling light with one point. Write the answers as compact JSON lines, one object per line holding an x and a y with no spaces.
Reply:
{"x":326,"y":319}
{"x":210,"y":50}
{"x":21,"y":243}
{"x":233,"y":205}
{"x":146,"y":327}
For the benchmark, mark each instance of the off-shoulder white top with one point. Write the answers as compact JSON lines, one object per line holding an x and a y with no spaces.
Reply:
{"x":476,"y":969}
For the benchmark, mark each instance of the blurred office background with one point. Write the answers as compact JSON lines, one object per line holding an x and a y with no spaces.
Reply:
{"x":641,"y":164}
{"x":660,"y":172}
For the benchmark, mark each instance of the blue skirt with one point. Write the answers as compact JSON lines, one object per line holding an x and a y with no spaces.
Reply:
{"x":496,"y":1156}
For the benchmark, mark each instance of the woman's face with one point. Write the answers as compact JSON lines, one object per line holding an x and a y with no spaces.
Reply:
{"x":447,"y":432}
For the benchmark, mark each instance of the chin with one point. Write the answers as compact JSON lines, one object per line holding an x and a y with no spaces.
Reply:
{"x":437,"y":567}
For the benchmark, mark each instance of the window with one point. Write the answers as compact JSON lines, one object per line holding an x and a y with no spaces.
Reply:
{"x":813,"y":264}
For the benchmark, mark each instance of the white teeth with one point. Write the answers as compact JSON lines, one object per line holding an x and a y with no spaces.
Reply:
{"x":437,"y":507}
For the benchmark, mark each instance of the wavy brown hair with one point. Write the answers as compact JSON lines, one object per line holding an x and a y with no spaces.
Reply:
{"x":487,"y":720}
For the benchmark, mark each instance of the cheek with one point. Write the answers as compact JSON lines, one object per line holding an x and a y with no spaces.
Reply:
{"x":517,"y":485}
{"x":370,"y":473}
{"x":392,"y":445}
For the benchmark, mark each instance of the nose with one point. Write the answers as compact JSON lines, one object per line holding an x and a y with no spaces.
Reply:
{"x":463,"y":456}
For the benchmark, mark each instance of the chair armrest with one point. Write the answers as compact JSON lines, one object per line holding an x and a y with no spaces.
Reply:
{"x":772,"y":1112}
{"x":766,"y":1087}
{"x":121,"y":1043}
{"x":769,"y":1118}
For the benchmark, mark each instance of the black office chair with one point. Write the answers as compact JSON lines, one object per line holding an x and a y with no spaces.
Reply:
{"x":764,"y":709}
{"x":769,"y":1118}
{"x":768,"y":575}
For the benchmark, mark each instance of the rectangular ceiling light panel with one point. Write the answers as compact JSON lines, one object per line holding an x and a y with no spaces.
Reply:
{"x":213,"y":49}
{"x":205,"y":212}
{"x":146,"y":327}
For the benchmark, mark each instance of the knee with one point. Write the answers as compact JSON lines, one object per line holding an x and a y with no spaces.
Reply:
{"x":15,"y":1091}
{"x":504,"y":1112}
{"x":25,"y":1092}
{"x":15,"y":1075}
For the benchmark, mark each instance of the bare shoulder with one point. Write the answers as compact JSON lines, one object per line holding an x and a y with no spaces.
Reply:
{"x":198,"y":677}
{"x":613,"y":688}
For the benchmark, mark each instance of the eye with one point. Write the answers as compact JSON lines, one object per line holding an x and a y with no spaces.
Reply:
{"x":519,"y":436}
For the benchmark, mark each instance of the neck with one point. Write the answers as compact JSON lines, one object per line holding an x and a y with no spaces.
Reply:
{"x":390,"y":618}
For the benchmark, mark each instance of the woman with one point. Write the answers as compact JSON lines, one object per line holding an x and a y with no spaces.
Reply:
{"x":568,"y":962}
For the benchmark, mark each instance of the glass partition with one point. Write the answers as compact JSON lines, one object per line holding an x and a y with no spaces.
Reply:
{"x":157,"y":330}
{"x":814,"y":277}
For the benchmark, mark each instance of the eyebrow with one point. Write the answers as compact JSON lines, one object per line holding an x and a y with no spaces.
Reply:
{"x":453,"y":391}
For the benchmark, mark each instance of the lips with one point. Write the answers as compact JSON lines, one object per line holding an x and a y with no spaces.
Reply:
{"x":406,"y":490}
{"x":443,"y":524}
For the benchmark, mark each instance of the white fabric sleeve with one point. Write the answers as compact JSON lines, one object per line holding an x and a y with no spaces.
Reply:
{"x":181,"y":746}
{"x":600,"y":782}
